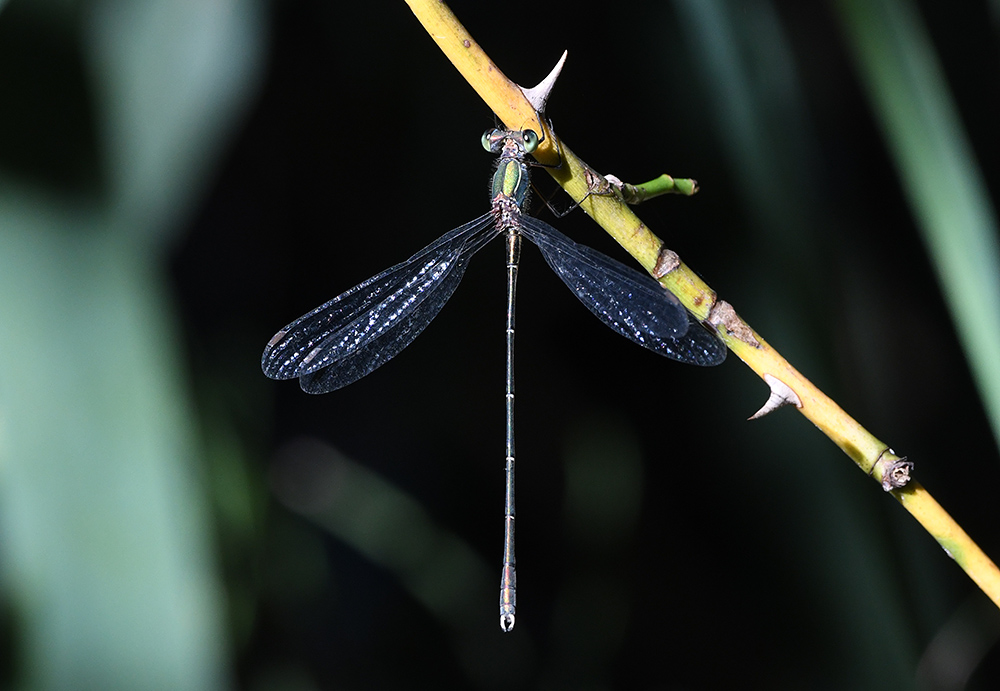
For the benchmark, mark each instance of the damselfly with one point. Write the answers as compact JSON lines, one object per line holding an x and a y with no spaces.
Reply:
{"x":359,"y":330}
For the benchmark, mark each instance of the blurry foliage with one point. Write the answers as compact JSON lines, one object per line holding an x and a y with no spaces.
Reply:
{"x":114,"y":113}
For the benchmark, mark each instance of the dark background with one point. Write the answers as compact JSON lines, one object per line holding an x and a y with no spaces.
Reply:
{"x":353,"y":540}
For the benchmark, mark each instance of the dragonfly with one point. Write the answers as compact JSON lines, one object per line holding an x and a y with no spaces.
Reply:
{"x":364,"y":327}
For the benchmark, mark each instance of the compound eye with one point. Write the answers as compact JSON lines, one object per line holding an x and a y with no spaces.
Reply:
{"x":490,"y":139}
{"x":530,"y":140}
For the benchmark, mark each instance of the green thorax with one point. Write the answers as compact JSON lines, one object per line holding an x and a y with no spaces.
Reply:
{"x":512,"y":180}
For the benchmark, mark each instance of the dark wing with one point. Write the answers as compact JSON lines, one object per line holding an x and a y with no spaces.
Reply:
{"x":631,"y":303}
{"x":363,"y":328}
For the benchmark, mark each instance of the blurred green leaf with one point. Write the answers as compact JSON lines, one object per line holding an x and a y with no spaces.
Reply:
{"x":939,"y":172}
{"x":106,"y":535}
{"x":171,"y":77}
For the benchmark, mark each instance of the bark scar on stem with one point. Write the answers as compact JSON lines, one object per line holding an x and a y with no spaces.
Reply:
{"x":667,"y":261}
{"x":895,"y":472}
{"x":722,"y":313}
{"x":781,"y":395}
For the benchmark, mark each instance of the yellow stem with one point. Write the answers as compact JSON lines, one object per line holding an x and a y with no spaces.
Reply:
{"x":868,"y":452}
